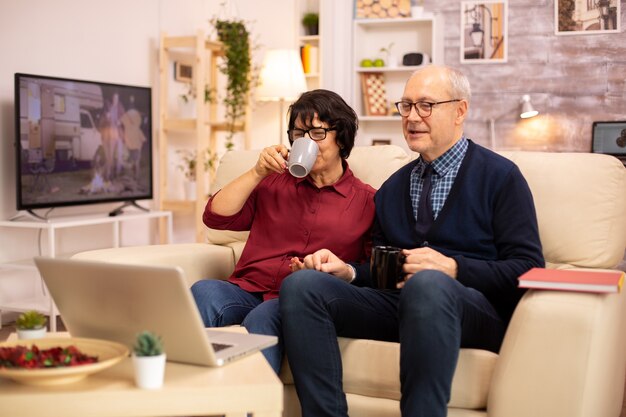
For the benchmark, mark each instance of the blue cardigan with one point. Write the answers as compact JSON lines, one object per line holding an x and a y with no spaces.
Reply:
{"x":488,"y":225}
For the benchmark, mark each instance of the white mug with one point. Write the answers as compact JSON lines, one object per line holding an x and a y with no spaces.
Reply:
{"x":302,"y":157}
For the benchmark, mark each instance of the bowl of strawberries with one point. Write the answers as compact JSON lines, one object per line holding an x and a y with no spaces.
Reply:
{"x":55,"y":361}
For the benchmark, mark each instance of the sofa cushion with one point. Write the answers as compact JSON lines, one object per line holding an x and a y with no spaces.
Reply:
{"x":371,"y":368}
{"x":591,"y":188}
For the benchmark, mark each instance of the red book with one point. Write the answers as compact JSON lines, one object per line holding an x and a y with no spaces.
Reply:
{"x":572,"y":280}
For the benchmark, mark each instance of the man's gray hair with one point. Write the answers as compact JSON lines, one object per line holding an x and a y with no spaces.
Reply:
{"x":459,"y":84}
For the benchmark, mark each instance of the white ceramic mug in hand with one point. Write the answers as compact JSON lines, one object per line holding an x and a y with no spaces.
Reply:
{"x":302,"y":157}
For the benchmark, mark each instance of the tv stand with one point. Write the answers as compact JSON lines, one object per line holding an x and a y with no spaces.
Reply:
{"x":120,"y":209}
{"x":42,"y":301}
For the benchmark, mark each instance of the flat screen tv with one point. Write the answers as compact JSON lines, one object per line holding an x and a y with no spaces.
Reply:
{"x":81,"y":142}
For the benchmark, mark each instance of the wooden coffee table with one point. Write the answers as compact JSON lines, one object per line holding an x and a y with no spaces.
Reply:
{"x":248,"y":385}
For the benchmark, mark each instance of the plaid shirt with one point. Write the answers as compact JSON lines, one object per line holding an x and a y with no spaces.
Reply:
{"x":445,"y":169}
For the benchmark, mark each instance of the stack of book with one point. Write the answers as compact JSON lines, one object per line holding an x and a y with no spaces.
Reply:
{"x":310,"y":58}
{"x":573,"y":280}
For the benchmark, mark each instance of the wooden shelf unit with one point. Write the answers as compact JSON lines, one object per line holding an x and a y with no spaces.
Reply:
{"x":406,"y":35}
{"x":203,"y":56}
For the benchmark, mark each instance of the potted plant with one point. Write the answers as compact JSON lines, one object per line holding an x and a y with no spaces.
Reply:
{"x":417,"y":8}
{"x":148,"y":360}
{"x":187,"y":100}
{"x":238,"y":69}
{"x":391,"y":59}
{"x":187,"y":165}
{"x":311,"y":21}
{"x":31,"y":325}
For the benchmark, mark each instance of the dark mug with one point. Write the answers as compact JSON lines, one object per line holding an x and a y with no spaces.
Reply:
{"x":386,"y":266}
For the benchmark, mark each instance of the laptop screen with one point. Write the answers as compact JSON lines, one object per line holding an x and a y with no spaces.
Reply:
{"x":609,"y":138}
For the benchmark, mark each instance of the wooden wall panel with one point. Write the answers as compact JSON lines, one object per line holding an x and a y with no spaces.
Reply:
{"x":573,"y":80}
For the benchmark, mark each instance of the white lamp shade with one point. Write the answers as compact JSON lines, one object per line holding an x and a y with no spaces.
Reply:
{"x":282,"y":77}
{"x":527,"y":110}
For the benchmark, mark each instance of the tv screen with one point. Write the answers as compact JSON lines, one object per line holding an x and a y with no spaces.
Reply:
{"x":81,"y":142}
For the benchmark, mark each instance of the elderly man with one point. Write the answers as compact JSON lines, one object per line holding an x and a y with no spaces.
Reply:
{"x":466,"y":220}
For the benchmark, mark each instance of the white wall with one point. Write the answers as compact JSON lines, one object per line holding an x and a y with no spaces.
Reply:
{"x":114,"y":41}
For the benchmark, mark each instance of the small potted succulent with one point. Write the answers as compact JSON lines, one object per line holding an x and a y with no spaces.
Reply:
{"x":148,"y":360}
{"x":311,"y":21}
{"x":31,"y":325}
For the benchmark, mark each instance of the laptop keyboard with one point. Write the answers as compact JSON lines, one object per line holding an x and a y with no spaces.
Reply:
{"x":219,"y":346}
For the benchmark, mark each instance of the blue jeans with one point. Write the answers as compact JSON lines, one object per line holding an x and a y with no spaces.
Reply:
{"x":432,"y":317}
{"x":223,"y":304}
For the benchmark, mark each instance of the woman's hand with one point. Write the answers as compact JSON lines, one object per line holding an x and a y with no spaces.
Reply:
{"x":233,"y":196}
{"x":296,"y":264}
{"x":271,"y":159}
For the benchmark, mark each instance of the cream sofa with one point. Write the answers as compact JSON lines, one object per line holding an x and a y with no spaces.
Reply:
{"x":563,"y":354}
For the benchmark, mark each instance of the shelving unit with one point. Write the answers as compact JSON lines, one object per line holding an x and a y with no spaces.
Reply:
{"x":407,"y":35}
{"x":42,"y":302}
{"x":313,"y":78}
{"x":202,"y":55}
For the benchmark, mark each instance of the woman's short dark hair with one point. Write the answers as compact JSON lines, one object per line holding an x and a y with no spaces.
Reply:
{"x":331,"y":109}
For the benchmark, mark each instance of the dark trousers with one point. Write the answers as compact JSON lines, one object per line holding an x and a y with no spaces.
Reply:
{"x":432,"y":317}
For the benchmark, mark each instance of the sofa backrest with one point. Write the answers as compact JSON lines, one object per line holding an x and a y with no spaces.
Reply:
{"x":371,"y":164}
{"x":581,"y":206}
{"x":580,"y":199}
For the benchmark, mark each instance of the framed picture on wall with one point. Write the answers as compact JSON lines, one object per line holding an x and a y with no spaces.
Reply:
{"x":484,"y":37}
{"x":375,"y":101}
{"x":586,"y":17}
{"x":183,"y":72}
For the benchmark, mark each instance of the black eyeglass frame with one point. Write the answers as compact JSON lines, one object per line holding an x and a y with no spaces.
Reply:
{"x":415,"y":103}
{"x":306,"y":132}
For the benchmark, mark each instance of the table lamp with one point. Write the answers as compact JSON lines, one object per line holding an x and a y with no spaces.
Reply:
{"x":281,"y":79}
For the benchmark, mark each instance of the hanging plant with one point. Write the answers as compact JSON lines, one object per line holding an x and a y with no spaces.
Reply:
{"x":237,"y":67}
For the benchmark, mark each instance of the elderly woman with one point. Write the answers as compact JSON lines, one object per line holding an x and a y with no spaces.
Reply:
{"x":288,"y":218}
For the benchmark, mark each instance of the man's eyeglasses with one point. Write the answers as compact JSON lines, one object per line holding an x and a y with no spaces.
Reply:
{"x":315,"y":133}
{"x":423,"y":108}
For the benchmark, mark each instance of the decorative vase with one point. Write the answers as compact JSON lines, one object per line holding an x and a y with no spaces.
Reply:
{"x":149,"y":371}
{"x":26,"y":334}
{"x":190,"y":190}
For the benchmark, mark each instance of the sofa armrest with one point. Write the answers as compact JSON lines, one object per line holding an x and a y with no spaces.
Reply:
{"x":198,"y":260}
{"x":562,"y":356}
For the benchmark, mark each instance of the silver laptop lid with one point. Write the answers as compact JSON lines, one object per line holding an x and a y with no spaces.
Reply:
{"x":115,"y":302}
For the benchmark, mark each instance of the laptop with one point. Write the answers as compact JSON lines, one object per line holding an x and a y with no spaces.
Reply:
{"x":116,"y":301}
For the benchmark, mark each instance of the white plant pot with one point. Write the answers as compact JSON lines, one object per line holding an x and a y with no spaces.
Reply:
{"x":149,"y":371}
{"x":392,"y":61}
{"x":417,"y":11}
{"x":25,"y":334}
{"x":190,"y":190}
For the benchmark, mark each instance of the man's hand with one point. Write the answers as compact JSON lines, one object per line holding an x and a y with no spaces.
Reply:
{"x":420,"y":259}
{"x":325,"y":261}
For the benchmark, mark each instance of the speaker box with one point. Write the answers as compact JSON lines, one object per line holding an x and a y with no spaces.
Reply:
{"x":415,"y":58}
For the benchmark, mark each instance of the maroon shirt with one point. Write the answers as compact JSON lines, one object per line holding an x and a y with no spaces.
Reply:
{"x":290,"y":217}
